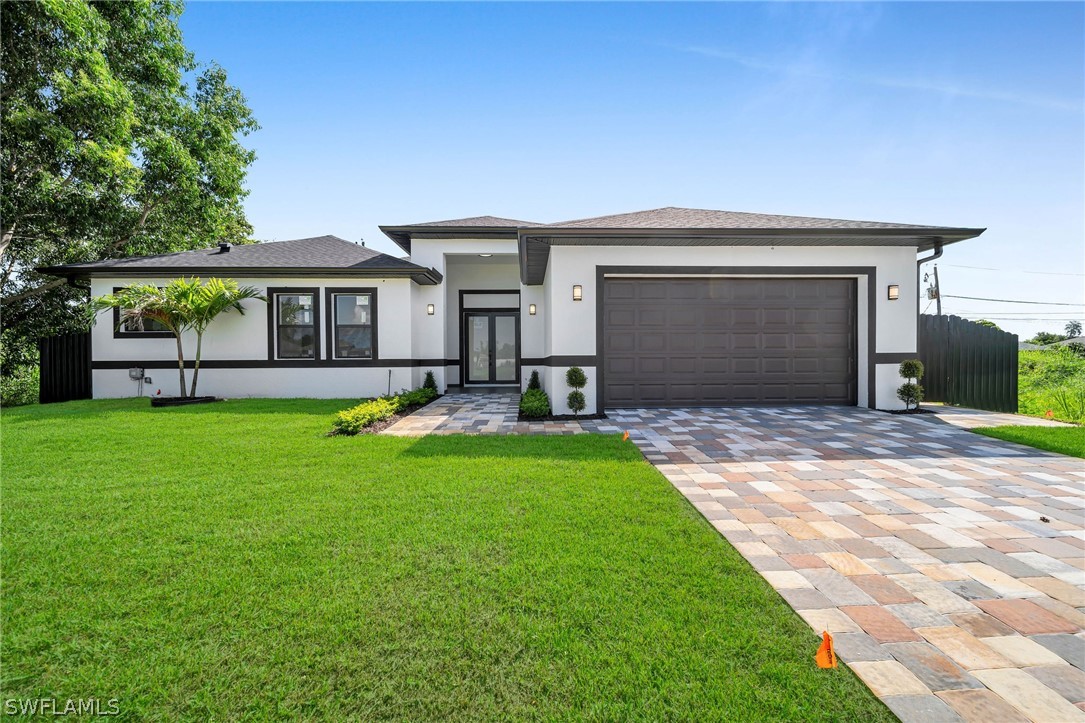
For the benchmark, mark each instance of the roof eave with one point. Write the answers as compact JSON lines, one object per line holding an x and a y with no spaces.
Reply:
{"x":418,"y":274}
{"x":401,"y":235}
{"x":925,"y":238}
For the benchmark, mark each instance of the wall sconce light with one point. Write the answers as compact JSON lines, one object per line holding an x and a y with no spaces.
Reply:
{"x":578,"y":292}
{"x":894,"y":292}
{"x":429,"y":309}
{"x":531,"y":309}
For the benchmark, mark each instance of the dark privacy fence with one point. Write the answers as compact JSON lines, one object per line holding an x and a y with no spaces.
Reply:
{"x":65,"y":368}
{"x":968,"y":363}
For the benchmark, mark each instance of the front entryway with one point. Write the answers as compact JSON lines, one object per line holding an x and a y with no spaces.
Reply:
{"x":491,"y":347}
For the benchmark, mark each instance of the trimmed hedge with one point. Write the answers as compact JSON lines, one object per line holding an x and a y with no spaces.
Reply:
{"x":355,"y":419}
{"x":535,"y":403}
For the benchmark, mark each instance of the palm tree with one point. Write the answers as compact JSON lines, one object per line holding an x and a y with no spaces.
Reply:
{"x":180,"y":305}
{"x":213,"y":298}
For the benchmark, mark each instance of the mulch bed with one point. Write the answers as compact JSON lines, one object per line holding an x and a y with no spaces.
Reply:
{"x":920,"y":410}
{"x":181,"y":401}
{"x":560,"y":418}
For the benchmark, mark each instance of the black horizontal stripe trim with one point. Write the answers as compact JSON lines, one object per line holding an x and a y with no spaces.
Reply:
{"x":588,"y":360}
{"x":270,"y":364}
{"x":894,"y":357}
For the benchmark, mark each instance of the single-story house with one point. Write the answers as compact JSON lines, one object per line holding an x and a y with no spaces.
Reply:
{"x":668,"y":307}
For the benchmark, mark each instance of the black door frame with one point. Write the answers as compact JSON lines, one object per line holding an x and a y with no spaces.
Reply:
{"x":492,"y":315}
{"x":465,"y":310}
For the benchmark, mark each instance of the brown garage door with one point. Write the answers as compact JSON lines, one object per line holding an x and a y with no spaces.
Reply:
{"x":706,"y":342}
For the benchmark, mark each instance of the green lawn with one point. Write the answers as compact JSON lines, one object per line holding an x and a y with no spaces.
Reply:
{"x":229,"y":561}
{"x":1064,"y":440}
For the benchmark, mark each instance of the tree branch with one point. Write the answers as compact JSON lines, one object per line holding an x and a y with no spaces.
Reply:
{"x":36,"y":291}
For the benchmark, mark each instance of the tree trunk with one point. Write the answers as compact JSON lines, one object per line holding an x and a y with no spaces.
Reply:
{"x":181,"y":362}
{"x":5,"y":240}
{"x":196,"y":369}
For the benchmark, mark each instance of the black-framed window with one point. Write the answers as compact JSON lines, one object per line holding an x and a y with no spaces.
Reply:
{"x":352,"y":323}
{"x":130,"y":328}
{"x":294,"y":324}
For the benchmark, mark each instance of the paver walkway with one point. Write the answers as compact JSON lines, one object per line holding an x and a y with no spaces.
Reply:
{"x":949,"y":567}
{"x":470,"y":413}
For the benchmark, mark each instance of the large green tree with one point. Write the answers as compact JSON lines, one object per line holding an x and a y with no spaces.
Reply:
{"x":114,"y":142}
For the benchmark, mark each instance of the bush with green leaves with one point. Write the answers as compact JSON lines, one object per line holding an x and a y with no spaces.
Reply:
{"x":533,"y":382}
{"x":577,"y":379}
{"x":20,"y":387}
{"x":911,"y":393}
{"x":1052,"y":380}
{"x":535,"y":403}
{"x":430,"y":382}
{"x":355,"y":419}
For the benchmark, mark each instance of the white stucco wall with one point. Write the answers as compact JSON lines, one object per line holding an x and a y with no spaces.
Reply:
{"x":238,"y":338}
{"x":560,"y":328}
{"x":573,"y":323}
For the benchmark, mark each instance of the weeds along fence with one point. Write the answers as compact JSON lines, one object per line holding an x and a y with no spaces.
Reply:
{"x":968,"y":364}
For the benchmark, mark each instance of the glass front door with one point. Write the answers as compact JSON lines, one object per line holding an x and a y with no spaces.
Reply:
{"x":492,"y":347}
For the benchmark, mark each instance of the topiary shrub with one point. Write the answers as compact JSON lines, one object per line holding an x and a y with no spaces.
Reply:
{"x":535,"y":404}
{"x":431,"y":382}
{"x":533,"y":382}
{"x":577,"y":379}
{"x":911,"y":393}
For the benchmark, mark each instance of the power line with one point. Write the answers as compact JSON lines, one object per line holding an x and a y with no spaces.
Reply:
{"x":1014,"y":271}
{"x":1011,"y":301}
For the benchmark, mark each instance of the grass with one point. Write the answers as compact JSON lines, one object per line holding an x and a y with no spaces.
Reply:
{"x":1052,"y":381}
{"x":229,"y":561}
{"x":1064,"y":440}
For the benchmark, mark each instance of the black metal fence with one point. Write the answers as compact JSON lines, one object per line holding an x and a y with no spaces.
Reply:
{"x":968,"y":363}
{"x":65,"y":368}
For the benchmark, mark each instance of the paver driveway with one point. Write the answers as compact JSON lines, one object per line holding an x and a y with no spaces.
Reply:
{"x":949,"y":567}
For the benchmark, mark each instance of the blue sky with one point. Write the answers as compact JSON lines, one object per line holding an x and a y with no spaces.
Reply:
{"x":966,"y":114}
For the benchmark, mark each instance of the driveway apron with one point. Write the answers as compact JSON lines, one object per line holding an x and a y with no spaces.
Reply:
{"x":949,"y":567}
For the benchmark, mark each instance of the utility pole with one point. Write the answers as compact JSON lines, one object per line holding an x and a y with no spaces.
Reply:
{"x":937,"y":292}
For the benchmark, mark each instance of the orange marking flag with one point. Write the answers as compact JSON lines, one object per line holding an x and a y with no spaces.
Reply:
{"x":825,"y":656}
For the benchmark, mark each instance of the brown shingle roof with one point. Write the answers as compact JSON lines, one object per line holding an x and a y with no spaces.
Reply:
{"x":672,"y":217}
{"x":477,"y":222}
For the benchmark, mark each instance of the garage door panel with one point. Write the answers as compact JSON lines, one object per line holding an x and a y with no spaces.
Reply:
{"x":729,"y":341}
{"x":683,"y":365}
{"x":652,"y":317}
{"x":651,"y":365}
{"x":651,"y":341}
{"x":620,"y":318}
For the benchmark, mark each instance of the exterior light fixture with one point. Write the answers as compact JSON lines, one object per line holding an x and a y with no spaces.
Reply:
{"x":894,"y":292}
{"x":429,"y":309}
{"x":578,"y":292}
{"x":485,"y":256}
{"x":531,"y":309}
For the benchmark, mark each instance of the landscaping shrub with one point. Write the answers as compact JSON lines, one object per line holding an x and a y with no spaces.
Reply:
{"x":533,"y":382}
{"x":355,"y":419}
{"x":19,"y":387}
{"x":911,"y":393}
{"x":577,"y":379}
{"x":1052,"y":379}
{"x":413,"y":398}
{"x":430,"y":382}
{"x":535,"y":403}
